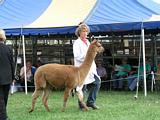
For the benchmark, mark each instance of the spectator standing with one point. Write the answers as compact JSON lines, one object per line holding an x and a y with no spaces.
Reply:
{"x":6,"y":74}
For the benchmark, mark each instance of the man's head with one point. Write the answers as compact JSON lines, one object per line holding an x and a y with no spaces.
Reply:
{"x":99,"y":63}
{"x":124,"y":61}
{"x":2,"y":35}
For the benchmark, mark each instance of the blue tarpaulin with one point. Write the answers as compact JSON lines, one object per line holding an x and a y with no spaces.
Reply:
{"x":61,"y":17}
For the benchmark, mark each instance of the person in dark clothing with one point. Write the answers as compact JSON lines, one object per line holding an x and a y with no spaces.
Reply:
{"x":6,"y":74}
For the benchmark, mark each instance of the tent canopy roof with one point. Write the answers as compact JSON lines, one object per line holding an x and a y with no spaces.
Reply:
{"x":62,"y":17}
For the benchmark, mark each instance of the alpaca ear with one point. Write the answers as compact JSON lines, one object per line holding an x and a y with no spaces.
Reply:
{"x":94,"y":41}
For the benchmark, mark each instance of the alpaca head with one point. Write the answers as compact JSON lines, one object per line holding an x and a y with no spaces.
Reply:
{"x":96,"y":46}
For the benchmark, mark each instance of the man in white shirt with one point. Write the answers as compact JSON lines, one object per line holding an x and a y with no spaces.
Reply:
{"x":92,"y":80}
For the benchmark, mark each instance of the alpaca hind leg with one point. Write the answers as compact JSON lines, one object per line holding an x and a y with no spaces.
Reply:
{"x":80,"y":98}
{"x":45,"y":98}
{"x":66,"y":95}
{"x":35,"y":95}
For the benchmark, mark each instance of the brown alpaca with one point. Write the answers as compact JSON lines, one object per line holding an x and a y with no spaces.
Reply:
{"x":63,"y":76}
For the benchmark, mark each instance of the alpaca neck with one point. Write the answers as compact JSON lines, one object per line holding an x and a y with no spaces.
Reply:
{"x":86,"y":65}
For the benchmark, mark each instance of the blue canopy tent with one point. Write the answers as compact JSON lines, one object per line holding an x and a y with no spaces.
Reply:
{"x":116,"y":15}
{"x":34,"y":17}
{"x":61,"y":17}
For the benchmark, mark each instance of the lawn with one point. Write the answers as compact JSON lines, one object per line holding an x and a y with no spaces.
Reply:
{"x":113,"y":106}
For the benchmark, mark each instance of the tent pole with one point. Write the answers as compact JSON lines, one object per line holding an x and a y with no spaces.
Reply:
{"x":144,"y":62}
{"x":24,"y":60}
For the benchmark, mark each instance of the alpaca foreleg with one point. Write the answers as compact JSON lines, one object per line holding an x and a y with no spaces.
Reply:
{"x":35,"y":95}
{"x":45,"y":98}
{"x":80,"y":98}
{"x":66,"y":96}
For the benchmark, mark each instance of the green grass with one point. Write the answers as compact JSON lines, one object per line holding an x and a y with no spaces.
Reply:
{"x":113,"y":106}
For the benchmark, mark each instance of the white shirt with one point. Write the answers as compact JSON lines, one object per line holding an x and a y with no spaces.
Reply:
{"x":79,"y":52}
{"x":28,"y":74}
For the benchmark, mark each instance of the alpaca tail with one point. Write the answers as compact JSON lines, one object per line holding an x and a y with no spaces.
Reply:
{"x":40,"y":80}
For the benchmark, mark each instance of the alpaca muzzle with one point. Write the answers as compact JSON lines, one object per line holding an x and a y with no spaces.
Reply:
{"x":101,"y":50}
